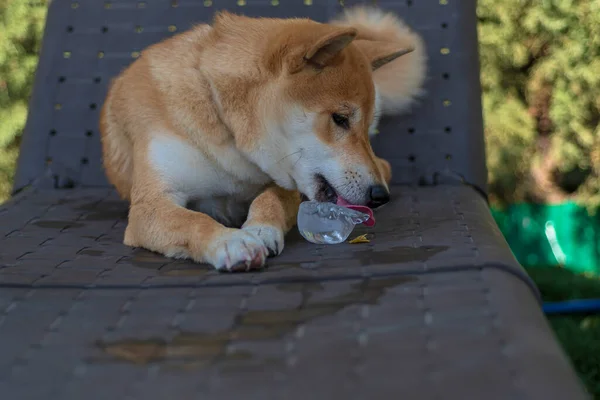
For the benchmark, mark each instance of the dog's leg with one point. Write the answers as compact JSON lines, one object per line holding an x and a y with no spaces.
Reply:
{"x":158,"y":223}
{"x":272,"y":214}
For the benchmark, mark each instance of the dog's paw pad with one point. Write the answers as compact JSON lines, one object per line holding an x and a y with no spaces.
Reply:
{"x":237,"y":250}
{"x":256,"y":263}
{"x":271,"y":237}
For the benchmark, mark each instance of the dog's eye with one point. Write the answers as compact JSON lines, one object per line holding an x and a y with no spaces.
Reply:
{"x":341,"y":120}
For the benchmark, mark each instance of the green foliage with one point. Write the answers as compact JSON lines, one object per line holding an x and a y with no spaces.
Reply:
{"x":540,"y":62}
{"x":580,"y":339}
{"x":579,"y":335}
{"x":21,"y":26}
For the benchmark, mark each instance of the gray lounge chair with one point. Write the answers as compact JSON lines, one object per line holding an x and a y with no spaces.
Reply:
{"x":435,"y":306}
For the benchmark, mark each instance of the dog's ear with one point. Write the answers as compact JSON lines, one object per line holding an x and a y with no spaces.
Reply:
{"x":380,"y":53}
{"x":330,"y":44}
{"x":319,"y":46}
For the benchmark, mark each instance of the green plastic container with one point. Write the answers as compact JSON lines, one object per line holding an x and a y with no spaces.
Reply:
{"x":544,"y":235}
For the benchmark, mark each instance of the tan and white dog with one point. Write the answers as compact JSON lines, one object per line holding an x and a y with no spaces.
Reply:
{"x":214,"y":134}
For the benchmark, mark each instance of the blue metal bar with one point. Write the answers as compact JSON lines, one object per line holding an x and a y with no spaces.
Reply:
{"x":572,"y":306}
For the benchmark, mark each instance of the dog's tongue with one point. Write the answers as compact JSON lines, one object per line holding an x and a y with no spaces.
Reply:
{"x":362,"y":209}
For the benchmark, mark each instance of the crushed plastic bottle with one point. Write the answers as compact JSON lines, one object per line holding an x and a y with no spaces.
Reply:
{"x":328,"y":223}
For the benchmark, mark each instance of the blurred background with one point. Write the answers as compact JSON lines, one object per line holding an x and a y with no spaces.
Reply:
{"x":540,"y":72}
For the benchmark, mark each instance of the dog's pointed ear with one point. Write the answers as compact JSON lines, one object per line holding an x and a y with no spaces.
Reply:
{"x":380,"y":53}
{"x":319,"y":47}
{"x":329,"y":45}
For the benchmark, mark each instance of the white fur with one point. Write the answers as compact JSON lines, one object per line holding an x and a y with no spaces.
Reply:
{"x":219,"y":191}
{"x":235,"y":247}
{"x":271,"y":237}
{"x":238,"y":248}
{"x":296,"y":155}
{"x":222,"y":190}
{"x":284,"y":146}
{"x":187,"y":171}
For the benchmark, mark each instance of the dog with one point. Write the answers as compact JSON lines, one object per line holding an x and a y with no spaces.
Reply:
{"x":216,"y":134}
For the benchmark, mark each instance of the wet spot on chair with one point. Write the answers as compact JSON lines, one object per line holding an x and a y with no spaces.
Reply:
{"x":166,"y":266}
{"x":195,"y":350}
{"x":92,"y":252}
{"x":106,"y":205}
{"x":106,"y":215}
{"x":350,"y":256}
{"x":185,"y":350}
{"x":186,"y":269}
{"x":104,"y":211}
{"x":398,"y":254}
{"x":61,"y":202}
{"x":274,"y":265}
{"x":301,"y":287}
{"x":145,"y":259}
{"x":56,"y":224}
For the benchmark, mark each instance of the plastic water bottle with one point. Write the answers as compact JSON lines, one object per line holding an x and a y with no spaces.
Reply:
{"x":327,"y":223}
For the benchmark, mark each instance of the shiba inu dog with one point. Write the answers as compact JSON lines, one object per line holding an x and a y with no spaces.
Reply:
{"x":215,"y":134}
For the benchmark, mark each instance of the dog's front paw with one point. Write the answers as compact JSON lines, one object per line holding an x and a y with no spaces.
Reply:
{"x":237,"y":250}
{"x":271,"y":237}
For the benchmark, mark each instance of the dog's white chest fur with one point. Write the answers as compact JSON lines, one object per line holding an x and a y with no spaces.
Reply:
{"x":191,"y":175}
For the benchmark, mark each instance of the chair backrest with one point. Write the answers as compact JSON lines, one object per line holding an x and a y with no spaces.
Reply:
{"x":87,"y":42}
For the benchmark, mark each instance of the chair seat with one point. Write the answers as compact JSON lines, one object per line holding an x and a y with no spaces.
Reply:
{"x":434,"y":304}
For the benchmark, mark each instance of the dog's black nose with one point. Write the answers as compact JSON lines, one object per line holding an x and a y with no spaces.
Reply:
{"x":378,"y":196}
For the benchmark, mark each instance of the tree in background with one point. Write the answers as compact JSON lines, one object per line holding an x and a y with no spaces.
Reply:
{"x":21,"y":28}
{"x":540,"y":75}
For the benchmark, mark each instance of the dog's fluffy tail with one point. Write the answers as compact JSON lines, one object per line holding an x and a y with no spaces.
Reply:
{"x":400,"y":82}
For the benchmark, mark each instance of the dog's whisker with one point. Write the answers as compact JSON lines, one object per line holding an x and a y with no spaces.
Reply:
{"x":289,"y":155}
{"x":299,"y":158}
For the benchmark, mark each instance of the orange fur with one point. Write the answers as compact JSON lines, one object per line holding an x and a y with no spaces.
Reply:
{"x":399,"y":83}
{"x":229,"y":122}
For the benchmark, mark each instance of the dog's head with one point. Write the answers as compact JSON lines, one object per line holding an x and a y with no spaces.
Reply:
{"x":326,"y":107}
{"x":318,"y":103}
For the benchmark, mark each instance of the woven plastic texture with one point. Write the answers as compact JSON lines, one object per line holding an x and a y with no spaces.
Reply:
{"x":87,"y":42}
{"x":433,"y":307}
